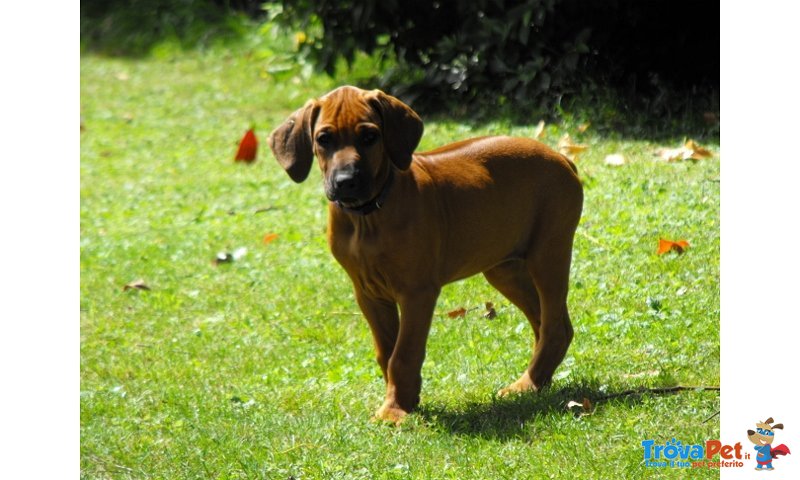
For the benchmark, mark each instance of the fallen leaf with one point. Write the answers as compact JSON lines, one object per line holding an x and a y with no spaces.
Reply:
{"x":458,"y":313}
{"x":689,"y":151}
{"x":584,"y":126}
{"x":569,"y":149}
{"x":268,"y":238}
{"x":539,"y":132}
{"x":665,"y":246}
{"x":490,"y":311}
{"x":136,"y":285}
{"x":247,"y":148}
{"x":585,"y":406}
{"x":698,"y":152}
{"x":223,"y":257}
{"x":229,"y":257}
{"x":615,"y":159}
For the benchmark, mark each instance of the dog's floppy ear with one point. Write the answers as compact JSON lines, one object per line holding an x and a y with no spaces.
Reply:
{"x":291,"y":142}
{"x":402,"y":127}
{"x":779,"y":426}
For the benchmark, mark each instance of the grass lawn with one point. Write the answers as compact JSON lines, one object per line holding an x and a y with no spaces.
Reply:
{"x":263,"y":367}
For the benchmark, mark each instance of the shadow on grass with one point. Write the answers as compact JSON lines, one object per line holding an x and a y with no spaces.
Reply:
{"x":503,"y":418}
{"x":661,"y":115}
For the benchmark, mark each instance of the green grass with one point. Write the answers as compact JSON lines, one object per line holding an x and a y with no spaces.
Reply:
{"x":263,"y":368}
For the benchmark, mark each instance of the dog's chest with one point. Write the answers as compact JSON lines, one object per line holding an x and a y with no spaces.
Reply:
{"x":367,"y":256}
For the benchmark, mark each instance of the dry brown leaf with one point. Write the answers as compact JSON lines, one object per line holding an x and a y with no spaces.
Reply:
{"x":228,"y":257}
{"x":585,"y":406}
{"x":136,"y":285}
{"x":458,"y":313}
{"x":615,"y":159}
{"x":698,"y":152}
{"x":569,"y":149}
{"x":490,"y":311}
{"x":690,"y":150}
{"x":584,"y":126}
{"x":539,"y":132}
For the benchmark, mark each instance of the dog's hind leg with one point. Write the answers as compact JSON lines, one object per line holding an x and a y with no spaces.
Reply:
{"x":513,"y":280}
{"x":549,"y":265}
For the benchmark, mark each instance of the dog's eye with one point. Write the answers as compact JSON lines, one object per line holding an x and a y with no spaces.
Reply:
{"x":324,"y":139}
{"x":369,"y":137}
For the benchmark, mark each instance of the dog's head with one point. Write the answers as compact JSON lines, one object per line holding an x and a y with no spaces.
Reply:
{"x":356,"y":135}
{"x":764,"y":433}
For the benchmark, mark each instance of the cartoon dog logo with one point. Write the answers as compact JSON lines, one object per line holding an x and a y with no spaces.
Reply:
{"x":763,"y":438}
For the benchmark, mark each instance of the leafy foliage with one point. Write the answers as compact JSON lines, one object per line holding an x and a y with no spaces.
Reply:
{"x":511,"y":50}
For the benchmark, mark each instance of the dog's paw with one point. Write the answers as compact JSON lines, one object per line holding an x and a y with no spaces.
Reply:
{"x":523,"y":385}
{"x":390,"y":413}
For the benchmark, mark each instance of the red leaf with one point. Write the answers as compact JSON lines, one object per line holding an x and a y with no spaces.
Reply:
{"x":665,"y":246}
{"x":247,"y":148}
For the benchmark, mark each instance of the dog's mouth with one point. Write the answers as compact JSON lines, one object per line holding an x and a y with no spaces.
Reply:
{"x":351,"y":202}
{"x":762,"y":441}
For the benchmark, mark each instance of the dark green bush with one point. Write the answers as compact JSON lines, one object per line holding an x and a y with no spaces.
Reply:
{"x":517,"y":50}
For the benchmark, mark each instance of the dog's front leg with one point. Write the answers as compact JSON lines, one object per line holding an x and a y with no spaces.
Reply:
{"x":404,"y":378}
{"x":384,"y":324}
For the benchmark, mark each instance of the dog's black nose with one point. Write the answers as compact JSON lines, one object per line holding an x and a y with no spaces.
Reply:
{"x":750,"y":432}
{"x":345,"y":183}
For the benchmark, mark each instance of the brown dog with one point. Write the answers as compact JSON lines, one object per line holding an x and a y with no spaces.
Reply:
{"x":403,"y":224}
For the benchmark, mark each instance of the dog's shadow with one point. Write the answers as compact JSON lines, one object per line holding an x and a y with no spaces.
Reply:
{"x":504,"y":418}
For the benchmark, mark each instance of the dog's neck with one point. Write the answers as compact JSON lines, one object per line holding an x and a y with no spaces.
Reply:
{"x":374,"y":204}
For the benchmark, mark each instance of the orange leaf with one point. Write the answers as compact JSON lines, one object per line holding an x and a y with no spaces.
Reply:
{"x":457,"y":313}
{"x":269,"y":238}
{"x":665,"y":246}
{"x":247,"y":148}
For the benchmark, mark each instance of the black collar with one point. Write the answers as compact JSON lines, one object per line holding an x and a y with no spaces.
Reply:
{"x":374,"y":204}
